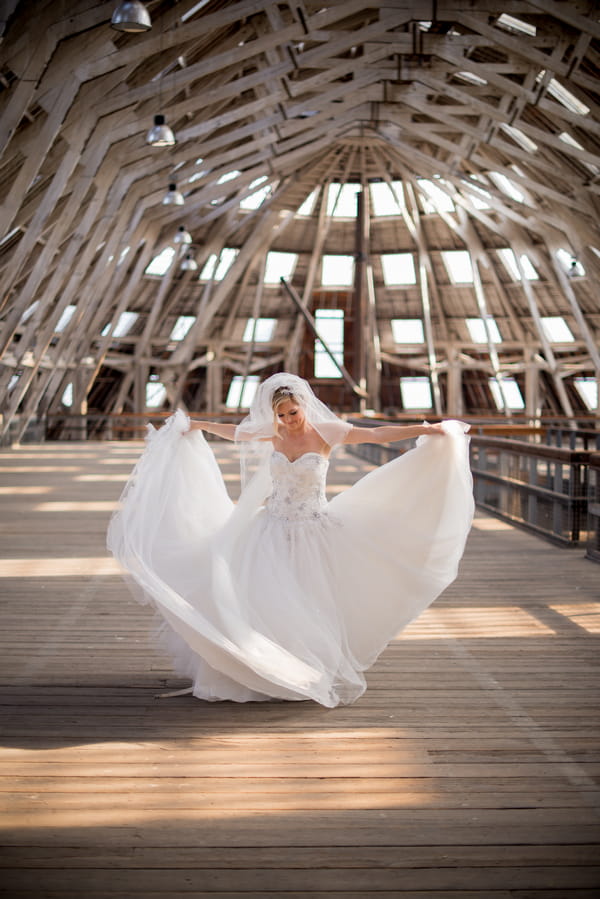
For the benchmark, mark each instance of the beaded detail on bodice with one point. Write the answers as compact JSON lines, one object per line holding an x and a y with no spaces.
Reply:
{"x":298,"y":487}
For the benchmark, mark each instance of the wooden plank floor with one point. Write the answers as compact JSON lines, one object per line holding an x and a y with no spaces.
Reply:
{"x":468,"y":769}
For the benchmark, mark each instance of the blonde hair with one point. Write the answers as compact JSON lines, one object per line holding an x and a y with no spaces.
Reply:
{"x":280,"y":396}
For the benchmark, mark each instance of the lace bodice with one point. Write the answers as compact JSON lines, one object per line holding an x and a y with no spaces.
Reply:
{"x":298,"y":487}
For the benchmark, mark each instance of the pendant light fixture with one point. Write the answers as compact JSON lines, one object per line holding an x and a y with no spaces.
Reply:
{"x":189,"y":264}
{"x":173,"y":197}
{"x":182,"y":236}
{"x":160,"y":135}
{"x":131,"y":16}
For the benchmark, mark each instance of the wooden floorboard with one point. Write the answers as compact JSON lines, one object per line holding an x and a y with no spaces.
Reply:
{"x":469,"y":768}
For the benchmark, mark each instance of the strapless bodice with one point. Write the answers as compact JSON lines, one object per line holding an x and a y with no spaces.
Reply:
{"x":298,"y":486}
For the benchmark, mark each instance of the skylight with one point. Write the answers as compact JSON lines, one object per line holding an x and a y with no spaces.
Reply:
{"x":192,"y":12}
{"x":510,"y":23}
{"x":458,"y":265}
{"x":438,"y":200}
{"x":29,"y":312}
{"x":330,"y":326}
{"x":64,"y":319}
{"x":182,"y":326}
{"x":564,"y":96}
{"x":509,"y":261}
{"x":519,"y":137}
{"x":341,"y":200}
{"x":408,"y":330}
{"x":507,"y":186}
{"x":470,"y":77}
{"x":556,"y":329}
{"x":478,"y":333}
{"x":156,"y":394}
{"x":510,"y":388}
{"x":124,"y":325}
{"x":382,"y":198}
{"x":568,"y":139}
{"x":279,"y":265}
{"x":161,"y":263}
{"x":226,"y":260}
{"x":241,"y":391}
{"x":67,"y":397}
{"x":398,"y":269}
{"x":415,"y":393}
{"x":307,"y":206}
{"x":337,"y":271}
{"x":262,"y":332}
{"x":587,"y":388}
{"x":228,"y":176}
{"x":253,"y":201}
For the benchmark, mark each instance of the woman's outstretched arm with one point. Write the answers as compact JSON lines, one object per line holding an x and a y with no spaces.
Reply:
{"x":391,"y":433}
{"x":218,"y":428}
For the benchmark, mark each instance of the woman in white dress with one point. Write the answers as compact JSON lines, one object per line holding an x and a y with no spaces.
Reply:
{"x":285,"y":595}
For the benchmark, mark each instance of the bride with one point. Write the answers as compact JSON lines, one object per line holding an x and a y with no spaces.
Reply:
{"x":285,"y":595}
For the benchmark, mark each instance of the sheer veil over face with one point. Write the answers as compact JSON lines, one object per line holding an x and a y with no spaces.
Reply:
{"x":255,"y":432}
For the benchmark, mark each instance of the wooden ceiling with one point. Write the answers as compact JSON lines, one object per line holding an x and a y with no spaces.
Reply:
{"x":299,"y":94}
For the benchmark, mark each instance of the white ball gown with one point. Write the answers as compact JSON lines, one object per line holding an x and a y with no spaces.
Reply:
{"x":289,"y":596}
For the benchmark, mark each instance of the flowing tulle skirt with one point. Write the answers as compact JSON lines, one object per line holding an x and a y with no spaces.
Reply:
{"x":256,"y":608}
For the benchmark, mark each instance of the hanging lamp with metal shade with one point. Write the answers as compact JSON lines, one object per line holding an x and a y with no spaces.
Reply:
{"x":189,"y":264}
{"x":160,"y":135}
{"x":173,"y":197}
{"x":182,"y":236}
{"x":131,"y":16}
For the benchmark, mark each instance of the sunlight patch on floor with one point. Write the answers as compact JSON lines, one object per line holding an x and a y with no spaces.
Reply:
{"x":65,"y":567}
{"x":585,"y":614}
{"x":78,"y":506}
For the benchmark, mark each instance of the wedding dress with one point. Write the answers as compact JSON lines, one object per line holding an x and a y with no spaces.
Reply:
{"x":289,"y":596}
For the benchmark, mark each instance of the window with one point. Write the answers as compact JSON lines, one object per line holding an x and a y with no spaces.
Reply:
{"x":470,"y":78}
{"x":29,"y":312}
{"x":279,"y":265}
{"x":241,"y":391}
{"x":182,"y":326}
{"x":519,"y":138}
{"x":587,"y":388}
{"x":507,"y":186}
{"x":510,"y":388}
{"x":510,"y":23}
{"x":263,"y":332}
{"x":330,"y":326}
{"x":228,"y":176}
{"x":253,"y":201}
{"x":436,"y":200}
{"x":478,"y":333}
{"x":571,"y":142}
{"x":337,"y":271}
{"x":65,"y":318}
{"x":225,"y":262}
{"x":507,"y":257}
{"x":161,"y":263}
{"x":398,"y":268}
{"x":124,"y":325}
{"x":415,"y":393}
{"x":458,"y":266}
{"x":156,"y":393}
{"x":408,"y":330}
{"x":564,"y":96}
{"x":556,"y":329}
{"x":307,"y":206}
{"x":14,"y":380}
{"x":341,"y":200}
{"x":383,"y":199}
{"x":67,"y":397}
{"x":480,"y":199}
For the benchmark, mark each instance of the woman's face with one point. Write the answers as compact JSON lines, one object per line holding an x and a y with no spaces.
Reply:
{"x":290,"y":414}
